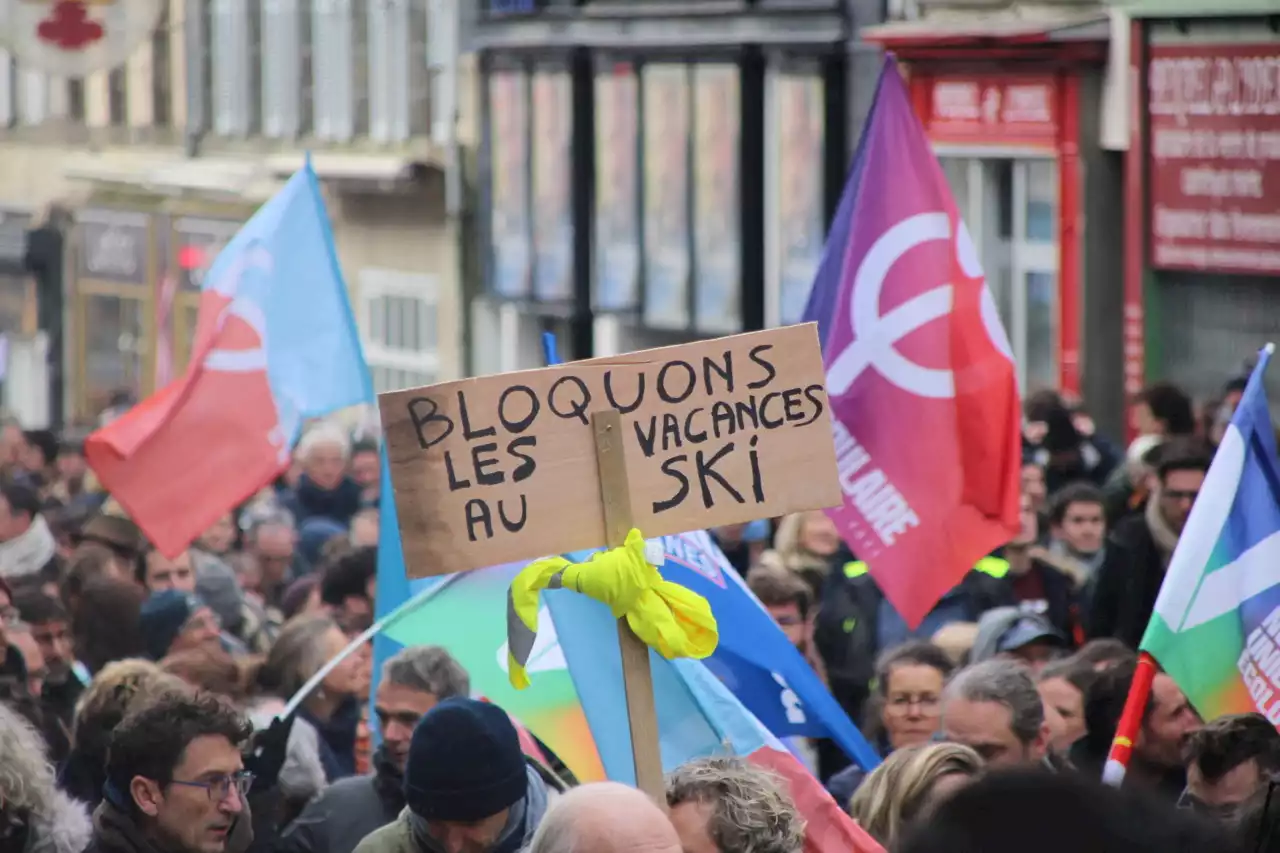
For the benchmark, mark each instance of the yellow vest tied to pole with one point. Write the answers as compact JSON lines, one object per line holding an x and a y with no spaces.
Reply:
{"x":667,"y":617}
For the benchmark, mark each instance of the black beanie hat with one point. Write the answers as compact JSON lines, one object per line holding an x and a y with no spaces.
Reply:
{"x":465,"y":763}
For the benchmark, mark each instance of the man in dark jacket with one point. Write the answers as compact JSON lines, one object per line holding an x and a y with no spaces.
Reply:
{"x":1140,"y":547}
{"x":467,"y":786}
{"x":175,"y":778}
{"x":413,"y":682}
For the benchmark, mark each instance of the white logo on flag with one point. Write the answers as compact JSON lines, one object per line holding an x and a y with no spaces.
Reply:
{"x":876,"y":334}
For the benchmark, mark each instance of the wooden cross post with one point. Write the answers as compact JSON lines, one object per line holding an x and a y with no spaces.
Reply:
{"x":636,"y":678}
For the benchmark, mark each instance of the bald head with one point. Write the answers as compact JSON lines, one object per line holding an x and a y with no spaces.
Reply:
{"x":605,"y":817}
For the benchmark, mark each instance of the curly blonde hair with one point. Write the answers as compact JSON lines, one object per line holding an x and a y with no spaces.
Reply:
{"x":897,"y":791}
{"x":751,"y":811}
{"x":113,"y":691}
{"x":27,"y":779}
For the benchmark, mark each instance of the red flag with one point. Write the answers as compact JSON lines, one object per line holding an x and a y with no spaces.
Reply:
{"x":920,"y":373}
{"x":828,"y":827}
{"x":203,"y":444}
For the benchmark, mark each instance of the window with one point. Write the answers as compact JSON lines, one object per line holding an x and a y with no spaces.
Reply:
{"x":234,"y":35}
{"x":118,"y":96}
{"x":332,"y":69}
{"x":286,"y":29}
{"x":8,"y":92}
{"x":32,"y":97}
{"x":398,"y":327}
{"x":161,"y":69}
{"x":75,"y":99}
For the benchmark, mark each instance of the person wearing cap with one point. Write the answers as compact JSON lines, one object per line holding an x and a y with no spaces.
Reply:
{"x":468,"y":787}
{"x":174,"y":621}
{"x":1017,"y":634}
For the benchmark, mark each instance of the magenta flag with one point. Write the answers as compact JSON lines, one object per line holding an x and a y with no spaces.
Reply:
{"x":919,"y":369}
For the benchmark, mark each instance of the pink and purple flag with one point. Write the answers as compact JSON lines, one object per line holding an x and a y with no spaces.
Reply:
{"x":919,"y":370}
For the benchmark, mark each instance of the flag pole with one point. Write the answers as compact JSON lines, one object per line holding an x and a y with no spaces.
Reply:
{"x":1135,"y":707}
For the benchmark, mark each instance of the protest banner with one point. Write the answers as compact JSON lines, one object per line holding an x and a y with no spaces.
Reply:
{"x":571,"y":457}
{"x":500,"y":468}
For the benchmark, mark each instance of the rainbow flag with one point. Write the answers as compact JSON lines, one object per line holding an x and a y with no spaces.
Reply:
{"x":1216,"y":624}
{"x":465,"y":614}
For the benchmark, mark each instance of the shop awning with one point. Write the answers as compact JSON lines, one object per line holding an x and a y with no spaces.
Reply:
{"x":1019,"y":27}
{"x":249,"y":178}
{"x":1195,"y":8}
{"x":386,"y":172}
{"x":241,"y":179}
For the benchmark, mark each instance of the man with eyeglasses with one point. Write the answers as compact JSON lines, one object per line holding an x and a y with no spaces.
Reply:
{"x":175,"y":778}
{"x":1228,"y":761}
{"x":1140,"y":547}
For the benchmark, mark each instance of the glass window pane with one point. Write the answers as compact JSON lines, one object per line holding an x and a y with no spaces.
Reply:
{"x":114,"y":348}
{"x":1042,"y":314}
{"x":1042,"y":201}
{"x":427,"y":325}
{"x":665,"y":95}
{"x":377,"y":327}
{"x":956,"y":170}
{"x":13,"y":303}
{"x":1000,"y":179}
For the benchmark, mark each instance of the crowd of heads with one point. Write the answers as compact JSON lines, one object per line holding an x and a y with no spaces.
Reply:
{"x":225,"y":698}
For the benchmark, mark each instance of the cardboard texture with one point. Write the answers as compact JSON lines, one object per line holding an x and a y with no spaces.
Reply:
{"x":501,"y":468}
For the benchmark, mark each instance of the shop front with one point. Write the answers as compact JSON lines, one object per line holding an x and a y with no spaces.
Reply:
{"x":651,"y":174}
{"x":1207,"y":256}
{"x":136,"y":296}
{"x":1013,"y":114}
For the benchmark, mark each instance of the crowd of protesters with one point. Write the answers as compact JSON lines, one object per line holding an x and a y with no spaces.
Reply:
{"x":144,"y":697}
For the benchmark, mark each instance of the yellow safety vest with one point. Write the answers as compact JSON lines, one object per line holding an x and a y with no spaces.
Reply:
{"x":993,"y":566}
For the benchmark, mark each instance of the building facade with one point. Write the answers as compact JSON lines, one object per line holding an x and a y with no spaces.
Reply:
{"x":157,"y":163}
{"x":653,"y":172}
{"x":1203,"y":179}
{"x":1015,"y":100}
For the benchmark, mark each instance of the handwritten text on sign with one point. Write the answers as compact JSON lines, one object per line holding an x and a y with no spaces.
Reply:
{"x":502,"y":468}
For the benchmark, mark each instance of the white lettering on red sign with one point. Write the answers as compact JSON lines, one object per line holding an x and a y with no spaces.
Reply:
{"x":956,"y":101}
{"x":1215,"y":157}
{"x":993,"y":110}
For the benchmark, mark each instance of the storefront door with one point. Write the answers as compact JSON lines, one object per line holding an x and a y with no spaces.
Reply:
{"x":113,"y":308}
{"x":1010,"y":207}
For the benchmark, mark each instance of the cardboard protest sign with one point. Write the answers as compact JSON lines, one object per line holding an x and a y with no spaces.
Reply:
{"x":501,"y":468}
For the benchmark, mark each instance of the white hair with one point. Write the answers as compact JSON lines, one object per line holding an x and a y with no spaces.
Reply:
{"x":324,"y":435}
{"x":26,"y":777}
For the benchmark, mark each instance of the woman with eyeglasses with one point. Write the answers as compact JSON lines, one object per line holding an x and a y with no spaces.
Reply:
{"x":906,"y":708}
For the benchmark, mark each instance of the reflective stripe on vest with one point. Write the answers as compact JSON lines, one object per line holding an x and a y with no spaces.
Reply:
{"x":993,"y":566}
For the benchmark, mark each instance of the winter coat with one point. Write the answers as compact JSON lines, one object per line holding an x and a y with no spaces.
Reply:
{"x":399,"y":837}
{"x":63,"y":827}
{"x":319,"y":753}
{"x":1125,"y":588}
{"x":348,"y":810}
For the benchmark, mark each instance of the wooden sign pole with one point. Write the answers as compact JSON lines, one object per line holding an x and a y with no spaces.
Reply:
{"x":637,"y":680}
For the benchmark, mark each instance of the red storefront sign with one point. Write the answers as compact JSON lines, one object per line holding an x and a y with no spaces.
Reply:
{"x":1215,"y":157}
{"x":981,"y":110}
